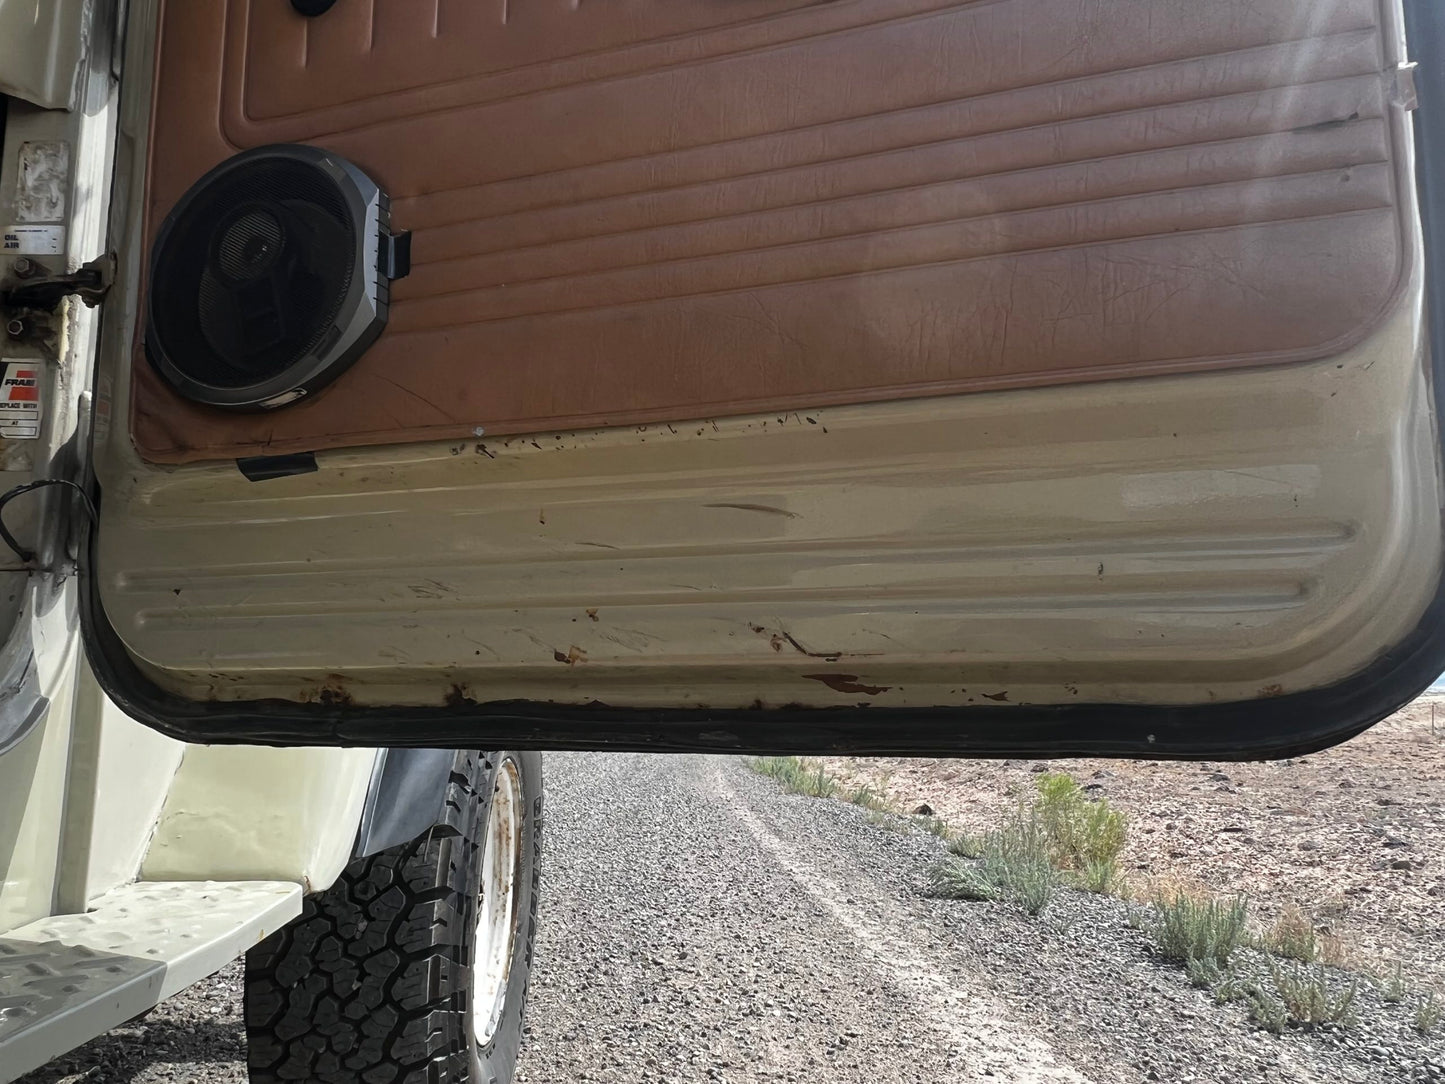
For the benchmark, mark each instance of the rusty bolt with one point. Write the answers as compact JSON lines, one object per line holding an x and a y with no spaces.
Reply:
{"x":24,"y":267}
{"x":15,"y":328}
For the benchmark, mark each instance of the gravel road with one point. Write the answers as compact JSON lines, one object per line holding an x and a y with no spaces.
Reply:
{"x":699,"y":925}
{"x":711,"y":928}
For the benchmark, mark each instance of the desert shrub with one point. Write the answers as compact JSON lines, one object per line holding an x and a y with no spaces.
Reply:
{"x":797,"y":776}
{"x":1428,"y":1014}
{"x":1013,"y":865}
{"x":1264,"y":1009}
{"x":1308,"y":996}
{"x":1080,"y":830}
{"x":868,"y":798}
{"x":1394,"y":987}
{"x":1100,"y":876}
{"x":951,"y":880}
{"x":1185,"y":927}
{"x":1293,"y":936}
{"x":967,"y":845}
{"x":1333,"y":950}
{"x":936,"y":826}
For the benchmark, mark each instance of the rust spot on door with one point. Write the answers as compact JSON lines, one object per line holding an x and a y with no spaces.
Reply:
{"x":334,"y":692}
{"x":458,"y":696}
{"x":848,"y":683}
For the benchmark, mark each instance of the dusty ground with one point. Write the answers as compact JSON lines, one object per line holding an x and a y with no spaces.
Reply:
{"x":700,"y":925}
{"x":1354,"y":835}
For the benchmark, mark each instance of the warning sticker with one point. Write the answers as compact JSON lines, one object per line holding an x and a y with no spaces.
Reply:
{"x":33,"y":240}
{"x":20,"y":401}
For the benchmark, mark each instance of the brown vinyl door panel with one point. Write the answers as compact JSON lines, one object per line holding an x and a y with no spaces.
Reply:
{"x":628,"y":211}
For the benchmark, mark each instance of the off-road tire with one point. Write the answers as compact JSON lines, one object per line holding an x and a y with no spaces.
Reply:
{"x":373,"y":981}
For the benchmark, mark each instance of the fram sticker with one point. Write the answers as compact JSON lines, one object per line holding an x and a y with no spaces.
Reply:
{"x":33,"y":240}
{"x":21,"y":400}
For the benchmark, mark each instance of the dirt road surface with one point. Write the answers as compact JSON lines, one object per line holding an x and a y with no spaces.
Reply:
{"x":700,"y":925}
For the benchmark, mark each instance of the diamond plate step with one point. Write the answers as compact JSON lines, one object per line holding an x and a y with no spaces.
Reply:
{"x":66,"y":979}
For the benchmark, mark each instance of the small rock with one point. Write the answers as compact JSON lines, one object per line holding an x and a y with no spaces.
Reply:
{"x":924,"y":810}
{"x":1401,"y":863}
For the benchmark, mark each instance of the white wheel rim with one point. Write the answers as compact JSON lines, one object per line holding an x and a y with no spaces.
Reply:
{"x":496,"y":910}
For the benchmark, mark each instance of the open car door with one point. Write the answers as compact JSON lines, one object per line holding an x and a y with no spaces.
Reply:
{"x":881,"y":375}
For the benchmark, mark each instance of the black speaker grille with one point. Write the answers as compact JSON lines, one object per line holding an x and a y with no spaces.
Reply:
{"x":252,"y":275}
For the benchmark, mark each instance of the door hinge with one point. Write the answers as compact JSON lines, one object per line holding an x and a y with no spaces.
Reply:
{"x":89,"y":283}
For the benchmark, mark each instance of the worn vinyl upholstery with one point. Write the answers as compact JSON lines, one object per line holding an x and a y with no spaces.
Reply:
{"x":629,"y":211}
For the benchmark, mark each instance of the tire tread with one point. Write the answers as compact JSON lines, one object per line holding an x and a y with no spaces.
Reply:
{"x":370,"y":981}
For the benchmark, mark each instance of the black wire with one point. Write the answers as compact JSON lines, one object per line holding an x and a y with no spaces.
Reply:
{"x":5,"y":498}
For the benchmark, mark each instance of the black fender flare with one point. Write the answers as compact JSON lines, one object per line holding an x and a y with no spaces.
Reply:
{"x":406,"y":796}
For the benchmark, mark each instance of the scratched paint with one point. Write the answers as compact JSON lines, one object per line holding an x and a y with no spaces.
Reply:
{"x":42,"y":182}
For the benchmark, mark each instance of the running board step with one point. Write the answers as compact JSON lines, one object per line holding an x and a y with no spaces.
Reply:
{"x":68,"y":978}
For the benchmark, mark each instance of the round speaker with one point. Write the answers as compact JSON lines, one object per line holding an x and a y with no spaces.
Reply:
{"x":270,"y":277}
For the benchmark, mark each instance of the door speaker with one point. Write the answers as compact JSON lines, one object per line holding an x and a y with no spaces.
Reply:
{"x":269,"y":277}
